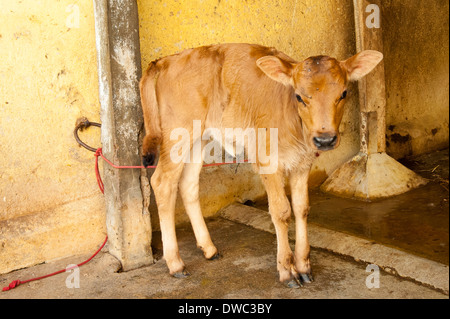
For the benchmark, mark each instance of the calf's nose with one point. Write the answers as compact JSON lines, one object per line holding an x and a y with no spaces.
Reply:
{"x":325,"y":141}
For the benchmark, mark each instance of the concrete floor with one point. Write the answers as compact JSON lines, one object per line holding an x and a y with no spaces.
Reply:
{"x":247,"y":269}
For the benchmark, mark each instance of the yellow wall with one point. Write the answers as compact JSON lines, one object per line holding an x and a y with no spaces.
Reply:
{"x":299,"y":28}
{"x":416,"y":45}
{"x":48,"y":74}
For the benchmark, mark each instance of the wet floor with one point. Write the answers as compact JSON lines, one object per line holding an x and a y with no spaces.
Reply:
{"x":416,"y":222}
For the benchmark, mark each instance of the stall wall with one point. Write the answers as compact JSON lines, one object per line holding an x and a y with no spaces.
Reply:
{"x":416,"y":45}
{"x":50,"y":204}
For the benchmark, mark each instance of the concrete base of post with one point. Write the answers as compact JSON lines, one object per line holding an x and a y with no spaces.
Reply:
{"x":370,"y":177}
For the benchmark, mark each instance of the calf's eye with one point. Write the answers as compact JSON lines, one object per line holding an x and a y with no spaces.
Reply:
{"x":299,"y":98}
{"x":344,"y":95}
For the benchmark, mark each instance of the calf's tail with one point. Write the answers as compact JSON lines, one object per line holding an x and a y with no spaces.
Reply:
{"x":150,"y":109}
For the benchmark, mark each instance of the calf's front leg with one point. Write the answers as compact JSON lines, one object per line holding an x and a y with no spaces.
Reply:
{"x":300,"y":206}
{"x":280,"y":211}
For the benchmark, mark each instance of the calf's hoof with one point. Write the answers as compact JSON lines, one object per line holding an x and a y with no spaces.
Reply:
{"x":293,"y":284}
{"x":297,"y":281}
{"x":215,"y":256}
{"x":181,"y":274}
{"x":306,"y":278}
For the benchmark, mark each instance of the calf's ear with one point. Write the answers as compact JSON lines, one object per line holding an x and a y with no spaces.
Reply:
{"x":276,"y":69}
{"x":361,"y":64}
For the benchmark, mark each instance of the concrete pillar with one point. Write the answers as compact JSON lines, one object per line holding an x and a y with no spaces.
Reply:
{"x":127,"y":218}
{"x":371,"y":173}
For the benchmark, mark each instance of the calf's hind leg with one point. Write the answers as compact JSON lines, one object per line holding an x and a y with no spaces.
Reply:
{"x":165,"y":184}
{"x":189,"y":191}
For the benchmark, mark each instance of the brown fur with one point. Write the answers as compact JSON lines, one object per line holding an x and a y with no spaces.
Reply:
{"x":244,"y":86}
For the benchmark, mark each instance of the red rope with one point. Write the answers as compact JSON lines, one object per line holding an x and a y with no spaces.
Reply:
{"x":98,"y":153}
{"x":16,"y":283}
{"x":97,"y":173}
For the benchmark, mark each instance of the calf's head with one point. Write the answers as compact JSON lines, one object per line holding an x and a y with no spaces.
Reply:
{"x":319,"y":89}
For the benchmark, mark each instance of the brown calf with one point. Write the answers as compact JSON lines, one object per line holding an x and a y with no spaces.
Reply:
{"x":245,"y":86}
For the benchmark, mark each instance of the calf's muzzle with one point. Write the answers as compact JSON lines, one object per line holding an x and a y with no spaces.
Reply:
{"x":325,"y":141}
